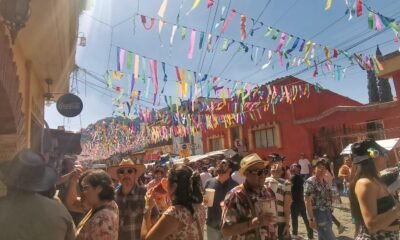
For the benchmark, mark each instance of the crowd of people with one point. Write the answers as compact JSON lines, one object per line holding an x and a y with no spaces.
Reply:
{"x":257,"y":199}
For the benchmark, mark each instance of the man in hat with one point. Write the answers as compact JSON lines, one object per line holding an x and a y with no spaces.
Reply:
{"x":130,"y":198}
{"x":245,"y":212}
{"x":283,"y":195}
{"x":222,"y":184}
{"x":25,"y":214}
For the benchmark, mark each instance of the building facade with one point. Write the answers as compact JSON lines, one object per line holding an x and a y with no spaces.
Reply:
{"x":323,"y":123}
{"x":42,"y":52}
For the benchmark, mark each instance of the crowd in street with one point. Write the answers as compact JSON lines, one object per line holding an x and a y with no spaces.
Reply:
{"x":257,"y":199}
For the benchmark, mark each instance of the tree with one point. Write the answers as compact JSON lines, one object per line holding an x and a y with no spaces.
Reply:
{"x":372,"y":87}
{"x":385,"y":91}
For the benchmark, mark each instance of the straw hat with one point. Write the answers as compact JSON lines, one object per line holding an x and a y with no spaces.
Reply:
{"x":250,"y":160}
{"x":126,"y":163}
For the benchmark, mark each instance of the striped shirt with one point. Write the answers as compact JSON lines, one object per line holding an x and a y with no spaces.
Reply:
{"x":281,"y":188}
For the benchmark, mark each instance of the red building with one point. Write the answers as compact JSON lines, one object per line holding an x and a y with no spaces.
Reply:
{"x":323,"y":123}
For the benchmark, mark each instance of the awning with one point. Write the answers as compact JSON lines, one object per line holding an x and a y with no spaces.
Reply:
{"x":388,"y":144}
{"x":228,"y":153}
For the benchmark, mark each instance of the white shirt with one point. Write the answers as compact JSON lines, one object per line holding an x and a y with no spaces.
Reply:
{"x":237,"y":177}
{"x":305,"y":166}
{"x":204,"y":177}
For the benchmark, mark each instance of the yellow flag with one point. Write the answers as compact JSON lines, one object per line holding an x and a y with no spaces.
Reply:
{"x":183,"y":84}
{"x":328,"y":4}
{"x":223,"y":97}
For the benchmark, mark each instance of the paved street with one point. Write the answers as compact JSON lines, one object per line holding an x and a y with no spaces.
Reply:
{"x":344,"y":217}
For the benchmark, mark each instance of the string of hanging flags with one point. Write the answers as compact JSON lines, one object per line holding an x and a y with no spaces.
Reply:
{"x":189,"y":83}
{"x":376,"y":20}
{"x":283,"y":53}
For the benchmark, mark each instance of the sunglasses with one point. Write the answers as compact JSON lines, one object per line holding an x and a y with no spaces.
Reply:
{"x":259,"y":172}
{"x":123,"y":171}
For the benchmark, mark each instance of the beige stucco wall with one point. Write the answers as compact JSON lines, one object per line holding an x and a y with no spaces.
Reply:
{"x":45,"y":48}
{"x":390,"y":65}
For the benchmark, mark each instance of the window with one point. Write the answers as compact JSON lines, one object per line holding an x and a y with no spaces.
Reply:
{"x":375,"y":130}
{"x":265,"y":138}
{"x":235,"y":134}
{"x":216,"y":144}
{"x":185,"y":139}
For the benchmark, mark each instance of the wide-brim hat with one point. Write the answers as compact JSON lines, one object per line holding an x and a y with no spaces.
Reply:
{"x":249,"y":161}
{"x":126,"y":163}
{"x":276,"y":157}
{"x":361,"y":150}
{"x":28,"y":171}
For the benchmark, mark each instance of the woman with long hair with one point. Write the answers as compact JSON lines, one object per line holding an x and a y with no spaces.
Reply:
{"x":373,"y":208}
{"x":185,"y":219}
{"x":97,"y":194}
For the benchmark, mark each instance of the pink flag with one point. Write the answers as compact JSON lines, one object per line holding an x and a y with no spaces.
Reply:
{"x":121,"y":58}
{"x":228,"y":21}
{"x":191,"y":47}
{"x":210,"y":3}
{"x":378,"y":24}
{"x":281,"y":42}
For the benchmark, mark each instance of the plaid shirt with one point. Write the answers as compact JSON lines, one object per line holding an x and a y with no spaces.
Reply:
{"x":237,"y":210}
{"x":131,"y":211}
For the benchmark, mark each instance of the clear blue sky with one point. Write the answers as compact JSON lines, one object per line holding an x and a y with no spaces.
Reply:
{"x":303,"y":18}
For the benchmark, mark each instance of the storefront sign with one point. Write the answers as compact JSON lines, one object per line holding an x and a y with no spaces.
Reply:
{"x":69,"y":105}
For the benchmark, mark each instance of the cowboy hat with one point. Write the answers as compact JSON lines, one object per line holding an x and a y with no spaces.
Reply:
{"x":28,"y":171}
{"x":250,"y":160}
{"x":126,"y":163}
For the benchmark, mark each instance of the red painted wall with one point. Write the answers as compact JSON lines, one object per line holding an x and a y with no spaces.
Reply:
{"x":295,"y":138}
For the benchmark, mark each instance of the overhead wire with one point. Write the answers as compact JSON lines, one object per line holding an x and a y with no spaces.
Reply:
{"x":308,"y":68}
{"x":211,"y":30}
{"x":254,"y":24}
{"x":214,"y":53}
{"x":330,"y":25}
